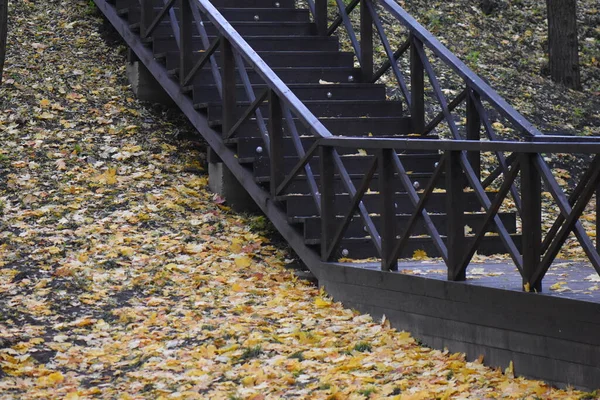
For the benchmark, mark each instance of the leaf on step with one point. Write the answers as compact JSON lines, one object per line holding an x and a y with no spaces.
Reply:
{"x":420,"y":255}
{"x":323,"y":82}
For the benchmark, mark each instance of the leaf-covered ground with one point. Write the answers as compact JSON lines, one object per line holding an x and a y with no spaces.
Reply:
{"x":121,"y":277}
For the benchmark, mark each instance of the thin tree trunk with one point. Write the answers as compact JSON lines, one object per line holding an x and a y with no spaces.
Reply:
{"x":3,"y":30}
{"x":563,"y":46}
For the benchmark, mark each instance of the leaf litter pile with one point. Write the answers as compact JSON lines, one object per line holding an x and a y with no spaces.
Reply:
{"x":122,"y":277}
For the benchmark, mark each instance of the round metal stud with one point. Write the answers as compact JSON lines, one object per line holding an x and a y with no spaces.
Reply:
{"x":364,"y":228}
{"x":256,"y":17}
{"x":277,"y":4}
{"x":345,"y":252}
{"x":436,"y":164}
{"x":259,"y":149}
{"x":350,"y":78}
{"x":329,"y":95}
{"x":416,"y":185}
{"x":395,"y":205}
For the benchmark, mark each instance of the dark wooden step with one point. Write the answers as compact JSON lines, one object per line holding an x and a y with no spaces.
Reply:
{"x":309,"y":91}
{"x":164,"y":28}
{"x":362,"y":248}
{"x":326,"y":108}
{"x":259,"y":43}
{"x":300,"y":186}
{"x":355,"y":164}
{"x":221,"y":4}
{"x":346,"y":126}
{"x":248,"y":148}
{"x":300,"y":206}
{"x":356,"y":228}
{"x":287,"y":75}
{"x":279,"y":59}
{"x":237,"y":14}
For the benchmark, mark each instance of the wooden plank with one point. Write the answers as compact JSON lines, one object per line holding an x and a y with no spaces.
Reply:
{"x":468,"y":292}
{"x":562,"y":326}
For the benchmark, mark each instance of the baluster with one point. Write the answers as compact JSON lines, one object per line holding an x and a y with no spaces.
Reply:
{"x":388,"y":211}
{"x":473,"y":129}
{"x":531,"y":217}
{"x":321,"y":17}
{"x":228,"y":84}
{"x":328,"y":223}
{"x":366,"y":42}
{"x":147,"y":14}
{"x":417,"y":86}
{"x":456,"y":241}
{"x":185,"y":40}
{"x":276,"y":142}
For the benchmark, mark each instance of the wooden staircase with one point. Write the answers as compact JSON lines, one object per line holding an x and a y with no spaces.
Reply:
{"x":326,"y":80}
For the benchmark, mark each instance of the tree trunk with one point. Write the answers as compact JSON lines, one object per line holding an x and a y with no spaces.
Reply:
{"x":563,"y":47}
{"x":3,"y":30}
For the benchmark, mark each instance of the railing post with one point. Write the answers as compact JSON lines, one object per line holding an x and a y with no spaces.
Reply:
{"x":185,"y":40}
{"x":366,"y":42}
{"x":531,"y":218}
{"x":321,"y":17}
{"x":328,"y":223}
{"x":276,"y":153}
{"x":417,"y":86}
{"x":473,"y":129}
{"x":147,"y":14}
{"x":228,"y":84}
{"x":388,"y":211}
{"x":456,"y":242}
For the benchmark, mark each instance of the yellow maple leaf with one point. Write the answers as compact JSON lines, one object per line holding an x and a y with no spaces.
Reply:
{"x":236,"y":246}
{"x":111,"y":176}
{"x":44,"y":103}
{"x":243,"y":262}
{"x":510,"y":370}
{"x":236,"y":287}
{"x":420,"y":255}
{"x":248,"y":381}
{"x":51,"y":379}
{"x":322,"y":303}
{"x":126,"y":251}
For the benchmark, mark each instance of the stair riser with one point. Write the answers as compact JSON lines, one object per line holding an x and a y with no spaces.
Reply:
{"x":209,"y":93}
{"x":288,"y":76}
{"x":247,"y":149}
{"x":358,"y":127}
{"x":300,"y":186}
{"x":291,"y":43}
{"x":312,"y":226}
{"x":240,"y":15}
{"x":221,"y":3}
{"x":361,"y":249}
{"x":165,"y":29}
{"x":292,"y":59}
{"x":303,"y":206}
{"x":330,"y":109}
{"x":353,"y":164}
